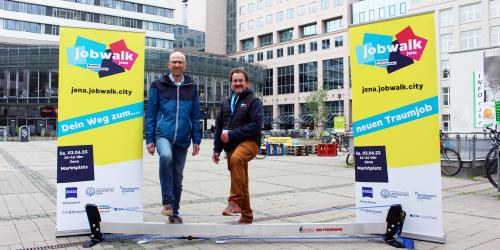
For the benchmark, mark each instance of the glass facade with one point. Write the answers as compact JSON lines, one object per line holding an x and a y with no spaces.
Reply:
{"x":333,"y":74}
{"x":29,"y":83}
{"x":231,"y":27}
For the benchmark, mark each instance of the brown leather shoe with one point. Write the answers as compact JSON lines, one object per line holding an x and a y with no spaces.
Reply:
{"x":231,"y":210}
{"x":167,"y":210}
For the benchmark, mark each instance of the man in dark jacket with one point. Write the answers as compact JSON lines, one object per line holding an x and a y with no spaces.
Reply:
{"x":237,"y":131}
{"x":172,"y":122}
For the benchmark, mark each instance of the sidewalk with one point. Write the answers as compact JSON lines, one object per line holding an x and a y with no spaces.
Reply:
{"x":278,"y":185}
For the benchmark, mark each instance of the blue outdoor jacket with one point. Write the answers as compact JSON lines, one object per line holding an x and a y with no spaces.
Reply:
{"x":173,"y":112}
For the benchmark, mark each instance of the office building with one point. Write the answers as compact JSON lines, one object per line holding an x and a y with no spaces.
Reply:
{"x":304,"y":45}
{"x":29,"y":54}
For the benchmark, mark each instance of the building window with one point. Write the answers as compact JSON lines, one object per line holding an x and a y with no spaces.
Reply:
{"x":381,"y":13}
{"x":494,"y":8}
{"x":21,"y":26}
{"x":289,"y":13}
{"x":445,"y":93}
{"x":251,"y":24}
{"x":285,"y":79}
{"x":266,"y":39}
{"x":268,"y":117}
{"x":290,"y":50}
{"x":371,"y":15}
{"x":325,"y":4}
{"x":325,"y":44}
{"x":302,"y":48}
{"x":337,"y":3}
{"x":250,"y":7}
{"x":313,"y":46}
{"x":402,"y":8}
{"x":333,"y":24}
{"x":279,"y":16}
{"x":312,"y":7}
{"x":260,"y":22}
{"x":269,"y":3}
{"x":446,"y":122}
{"x":279,"y":52}
{"x":243,"y":27}
{"x":445,"y":69}
{"x":286,"y":118}
{"x":285,"y":35}
{"x":339,"y":41}
{"x":268,"y":84}
{"x":308,"y":77}
{"x":243,"y":10}
{"x":260,"y":56}
{"x":250,"y":58}
{"x":495,"y":35}
{"x":333,"y":73}
{"x":445,"y":18}
{"x":247,"y":44}
{"x":392,"y":10}
{"x":361,"y":17}
{"x":470,"y":13}
{"x":471,"y":39}
{"x":446,"y":42}
{"x":301,"y":10}
{"x":269,"y":19}
{"x":308,"y":30}
{"x":260,"y":4}
{"x":269,"y":54}
{"x":242,"y":58}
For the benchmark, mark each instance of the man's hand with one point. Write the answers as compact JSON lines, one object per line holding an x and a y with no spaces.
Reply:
{"x":224,"y":137}
{"x":216,"y":158}
{"x":196,"y":149}
{"x":151,"y":148}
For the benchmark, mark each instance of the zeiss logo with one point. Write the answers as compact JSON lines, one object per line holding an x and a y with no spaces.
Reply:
{"x":106,"y":60}
{"x":384,"y":51}
{"x":71,"y":192}
{"x":367,"y":192}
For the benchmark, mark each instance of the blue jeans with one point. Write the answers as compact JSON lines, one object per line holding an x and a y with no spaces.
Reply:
{"x":172,"y":160}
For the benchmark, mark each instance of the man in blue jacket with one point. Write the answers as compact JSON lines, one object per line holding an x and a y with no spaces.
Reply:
{"x":172,"y":122}
{"x":237,"y":131}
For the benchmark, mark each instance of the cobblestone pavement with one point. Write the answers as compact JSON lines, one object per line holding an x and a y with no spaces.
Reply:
{"x":301,"y":188}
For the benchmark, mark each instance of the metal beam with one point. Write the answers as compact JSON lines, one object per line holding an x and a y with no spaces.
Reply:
{"x":245,"y":230}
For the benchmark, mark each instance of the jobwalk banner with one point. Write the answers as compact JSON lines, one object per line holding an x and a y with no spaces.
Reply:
{"x":395,"y":123}
{"x":100,"y":126}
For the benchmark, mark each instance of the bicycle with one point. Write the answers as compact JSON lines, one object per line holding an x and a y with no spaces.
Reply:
{"x":451,"y":163}
{"x":341,"y":140}
{"x":490,"y":163}
{"x":349,"y":159}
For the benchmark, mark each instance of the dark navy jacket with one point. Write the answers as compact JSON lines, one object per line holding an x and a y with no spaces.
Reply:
{"x":244,"y":123}
{"x":173,"y":112}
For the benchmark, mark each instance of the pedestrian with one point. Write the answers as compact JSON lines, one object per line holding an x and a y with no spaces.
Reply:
{"x":172,"y":122}
{"x":238,"y":133}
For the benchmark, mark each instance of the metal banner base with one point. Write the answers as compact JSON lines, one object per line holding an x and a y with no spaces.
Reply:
{"x":389,"y":231}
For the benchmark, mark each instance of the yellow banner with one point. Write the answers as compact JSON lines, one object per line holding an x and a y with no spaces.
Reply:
{"x":394,"y":89}
{"x":396,"y":122}
{"x":101,"y":92}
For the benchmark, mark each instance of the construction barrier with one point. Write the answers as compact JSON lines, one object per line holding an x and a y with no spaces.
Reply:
{"x":327,"y":149}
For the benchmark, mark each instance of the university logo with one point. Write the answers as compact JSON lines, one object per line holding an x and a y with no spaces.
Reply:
{"x":382,"y":51}
{"x":71,"y":192}
{"x":101,"y":58}
{"x":367,"y":192}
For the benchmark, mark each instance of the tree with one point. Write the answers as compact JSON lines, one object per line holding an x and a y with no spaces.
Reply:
{"x":315,"y":104}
